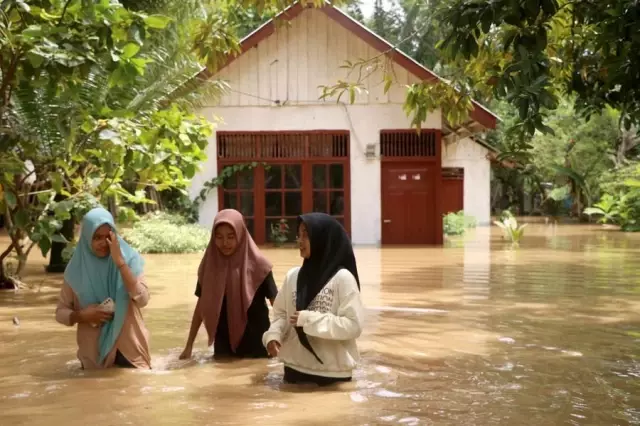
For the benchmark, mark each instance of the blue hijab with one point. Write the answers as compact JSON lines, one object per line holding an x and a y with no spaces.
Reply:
{"x":94,"y":279}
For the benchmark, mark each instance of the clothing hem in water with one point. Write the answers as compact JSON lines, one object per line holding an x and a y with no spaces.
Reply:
{"x":323,"y":373}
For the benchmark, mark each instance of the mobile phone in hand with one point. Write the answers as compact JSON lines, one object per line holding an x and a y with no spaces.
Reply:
{"x":108,"y":305}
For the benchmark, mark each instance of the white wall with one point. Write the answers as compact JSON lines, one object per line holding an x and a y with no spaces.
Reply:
{"x":471,"y":156}
{"x":364,"y":123}
{"x":288,"y":67}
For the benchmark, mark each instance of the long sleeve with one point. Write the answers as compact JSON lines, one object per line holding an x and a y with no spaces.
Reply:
{"x":141,"y":296}
{"x":280,"y":322}
{"x":66,"y":305}
{"x":346,"y":324}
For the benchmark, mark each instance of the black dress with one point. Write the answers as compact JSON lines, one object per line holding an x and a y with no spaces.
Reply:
{"x":257,"y":324}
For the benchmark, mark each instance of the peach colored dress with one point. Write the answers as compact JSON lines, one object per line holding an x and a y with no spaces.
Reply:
{"x":133,"y":342}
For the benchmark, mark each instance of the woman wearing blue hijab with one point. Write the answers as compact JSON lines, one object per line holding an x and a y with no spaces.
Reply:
{"x":105,"y":270}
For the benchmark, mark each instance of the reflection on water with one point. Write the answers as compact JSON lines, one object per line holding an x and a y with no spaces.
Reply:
{"x":474,"y":333}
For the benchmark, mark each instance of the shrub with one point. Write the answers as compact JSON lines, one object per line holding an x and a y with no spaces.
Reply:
{"x":509,"y":224}
{"x":180,"y":205}
{"x":166,"y":233}
{"x":457,"y":223}
{"x":620,"y":202}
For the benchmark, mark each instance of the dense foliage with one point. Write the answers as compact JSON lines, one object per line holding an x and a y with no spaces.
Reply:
{"x":82,"y":92}
{"x":457,"y":223}
{"x":164,"y":233}
{"x":554,"y":71}
{"x":531,"y":52}
{"x":94,"y":109}
{"x":93,"y":103}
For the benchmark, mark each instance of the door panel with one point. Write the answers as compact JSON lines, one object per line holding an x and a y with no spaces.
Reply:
{"x":408,"y":203}
{"x":452,"y":195}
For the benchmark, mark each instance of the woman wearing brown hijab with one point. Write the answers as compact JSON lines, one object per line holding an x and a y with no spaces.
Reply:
{"x":234,"y":279}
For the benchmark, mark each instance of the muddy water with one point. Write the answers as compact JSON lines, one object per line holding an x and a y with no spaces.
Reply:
{"x":475,"y":333}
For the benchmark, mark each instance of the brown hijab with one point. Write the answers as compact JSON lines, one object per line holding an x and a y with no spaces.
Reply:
{"x":237,"y":277}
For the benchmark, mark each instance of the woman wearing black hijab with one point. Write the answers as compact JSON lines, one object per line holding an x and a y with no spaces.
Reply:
{"x":318,"y":312}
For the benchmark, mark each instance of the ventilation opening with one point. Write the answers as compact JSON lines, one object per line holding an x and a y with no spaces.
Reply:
{"x":453,"y":172}
{"x":408,"y":144}
{"x":273,"y":145}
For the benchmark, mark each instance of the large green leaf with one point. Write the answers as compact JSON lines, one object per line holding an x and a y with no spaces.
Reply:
{"x":45,"y":245}
{"x":571,"y":174}
{"x":594,"y":211}
{"x":130,"y":50}
{"x":157,"y":21}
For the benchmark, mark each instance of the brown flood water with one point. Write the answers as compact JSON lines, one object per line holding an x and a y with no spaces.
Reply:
{"x":471,"y":334}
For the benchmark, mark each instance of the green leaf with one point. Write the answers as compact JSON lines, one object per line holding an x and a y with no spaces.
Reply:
{"x":43,"y":197}
{"x":56,"y":181}
{"x":130,"y":50}
{"x":21,"y":219}
{"x":32,"y":31}
{"x":59,"y":238}
{"x":10,"y":199}
{"x":157,"y":21}
{"x":388,"y":81}
{"x":593,"y":210}
{"x":35,"y":59}
{"x":184,"y":139}
{"x":45,"y":245}
{"x":190,"y":171}
{"x":63,"y":210}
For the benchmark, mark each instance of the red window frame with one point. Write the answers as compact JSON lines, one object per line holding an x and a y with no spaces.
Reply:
{"x":278,"y":149}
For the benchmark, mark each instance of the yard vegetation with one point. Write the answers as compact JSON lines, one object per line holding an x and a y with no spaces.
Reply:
{"x":98,"y":104}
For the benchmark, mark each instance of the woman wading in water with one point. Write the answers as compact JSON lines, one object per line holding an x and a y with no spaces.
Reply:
{"x":103,"y":291}
{"x":234,"y":281}
{"x":318,"y":312}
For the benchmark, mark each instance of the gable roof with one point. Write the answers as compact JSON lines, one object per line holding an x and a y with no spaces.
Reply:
{"x":480,"y":114}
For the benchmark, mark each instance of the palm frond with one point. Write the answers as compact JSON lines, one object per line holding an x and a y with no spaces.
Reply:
{"x":38,"y":116}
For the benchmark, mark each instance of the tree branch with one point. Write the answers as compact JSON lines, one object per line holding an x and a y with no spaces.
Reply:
{"x":64,"y":10}
{"x":26,"y":253}
{"x":7,"y":251}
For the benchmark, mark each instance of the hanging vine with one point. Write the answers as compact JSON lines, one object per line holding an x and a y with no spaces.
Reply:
{"x":226,"y":173}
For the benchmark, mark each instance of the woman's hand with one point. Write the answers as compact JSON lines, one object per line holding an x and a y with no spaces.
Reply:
{"x":114,"y":248}
{"x":293,"y":319}
{"x":93,"y":314}
{"x":273,"y":348}
{"x":186,"y":354}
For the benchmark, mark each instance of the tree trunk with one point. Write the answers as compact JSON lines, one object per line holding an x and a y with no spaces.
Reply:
{"x":5,"y":281}
{"x":113,"y":207}
{"x":628,"y":141}
{"x":57,"y":264}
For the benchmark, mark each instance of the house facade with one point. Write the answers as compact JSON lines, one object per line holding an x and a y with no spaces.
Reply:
{"x":360,"y":162}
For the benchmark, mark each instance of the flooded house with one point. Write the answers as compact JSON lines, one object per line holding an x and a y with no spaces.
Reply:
{"x":359,"y":161}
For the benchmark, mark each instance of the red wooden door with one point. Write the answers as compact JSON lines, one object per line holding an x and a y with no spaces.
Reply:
{"x":452,"y":195}
{"x":408,"y":203}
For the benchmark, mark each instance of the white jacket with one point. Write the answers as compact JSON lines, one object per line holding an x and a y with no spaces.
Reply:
{"x":332,"y":322}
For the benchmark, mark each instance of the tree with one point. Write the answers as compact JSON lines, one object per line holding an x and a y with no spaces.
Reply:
{"x":355,"y":11}
{"x":530,"y":52}
{"x":93,"y":105}
{"x":65,"y":113}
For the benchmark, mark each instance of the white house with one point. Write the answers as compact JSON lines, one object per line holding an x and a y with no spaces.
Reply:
{"x":360,"y":162}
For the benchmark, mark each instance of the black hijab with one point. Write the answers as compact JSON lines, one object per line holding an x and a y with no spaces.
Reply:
{"x":331,"y":251}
